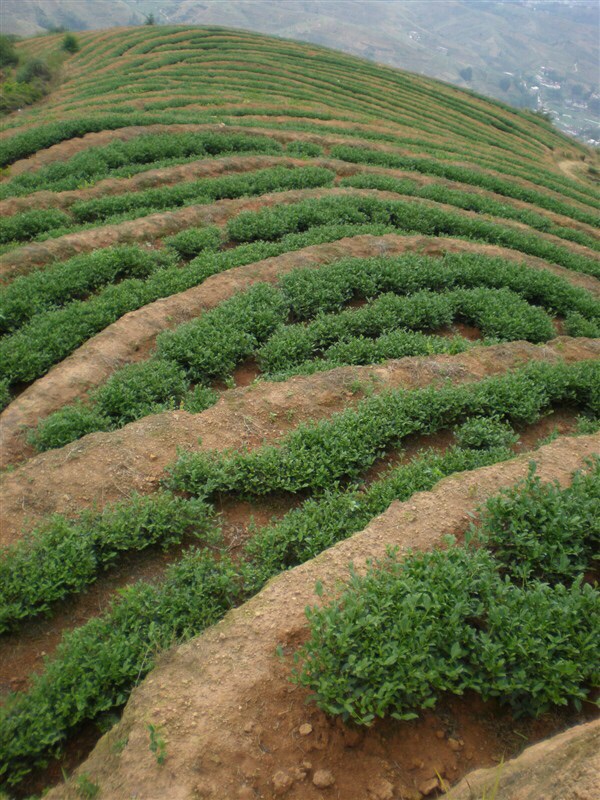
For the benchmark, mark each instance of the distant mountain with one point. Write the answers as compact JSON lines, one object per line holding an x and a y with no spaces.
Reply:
{"x":540,"y":54}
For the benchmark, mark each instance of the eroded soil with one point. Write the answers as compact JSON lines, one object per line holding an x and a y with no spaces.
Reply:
{"x":130,"y":338}
{"x":232,"y":724}
{"x":102,"y":467}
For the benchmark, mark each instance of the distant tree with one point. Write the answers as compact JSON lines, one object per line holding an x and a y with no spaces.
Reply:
{"x":150,"y":19}
{"x":34,"y":69}
{"x":8,"y":54}
{"x":504,"y":83}
{"x":466,"y":74}
{"x":70,"y":43}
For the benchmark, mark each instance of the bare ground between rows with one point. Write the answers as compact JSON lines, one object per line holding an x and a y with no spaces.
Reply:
{"x":130,"y":338}
{"x":231,"y":721}
{"x":64,"y":150}
{"x":102,"y":467}
{"x":208,"y":168}
{"x":31,"y":256}
{"x":22,"y":653}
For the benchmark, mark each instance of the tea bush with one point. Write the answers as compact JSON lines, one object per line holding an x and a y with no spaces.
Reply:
{"x":27,"y":225}
{"x":469,"y":202}
{"x":96,"y":665}
{"x":62,"y":557}
{"x":498,"y":313}
{"x":445,"y":621}
{"x":272,"y":223}
{"x":317,"y":456}
{"x":190,"y":243}
{"x":539,"y":530}
{"x":76,"y":278}
{"x":468,"y":175}
{"x":146,"y":151}
{"x":207,"y":190}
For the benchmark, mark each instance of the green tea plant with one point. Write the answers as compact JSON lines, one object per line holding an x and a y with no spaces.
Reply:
{"x":412,"y":216}
{"x":539,"y":530}
{"x":76,"y":278}
{"x":464,"y":175}
{"x":190,"y":243}
{"x":147,"y":151}
{"x":96,"y":665}
{"x":158,"y":745}
{"x":470,"y":202}
{"x":27,"y":225}
{"x":207,"y":190}
{"x":445,"y":621}
{"x":319,"y":455}
{"x":62,"y":557}
{"x":215,"y":343}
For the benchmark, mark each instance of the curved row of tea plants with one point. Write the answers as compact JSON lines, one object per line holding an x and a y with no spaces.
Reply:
{"x":96,"y":665}
{"x":491,"y":293}
{"x":517,"y":623}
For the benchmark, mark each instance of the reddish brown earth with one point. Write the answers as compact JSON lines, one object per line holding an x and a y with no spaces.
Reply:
{"x":131,"y":337}
{"x":102,"y":467}
{"x":154,"y":226}
{"x":211,"y":168}
{"x":234,"y":727}
{"x":565,"y":767}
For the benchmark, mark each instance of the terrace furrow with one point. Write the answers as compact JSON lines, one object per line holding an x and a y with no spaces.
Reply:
{"x":130,"y":339}
{"x":133,"y":458}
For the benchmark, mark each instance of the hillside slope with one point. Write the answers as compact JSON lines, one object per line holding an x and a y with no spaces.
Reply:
{"x":530,"y":53}
{"x":252,"y":294}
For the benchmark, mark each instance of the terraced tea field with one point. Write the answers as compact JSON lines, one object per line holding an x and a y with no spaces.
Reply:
{"x":267,"y":310}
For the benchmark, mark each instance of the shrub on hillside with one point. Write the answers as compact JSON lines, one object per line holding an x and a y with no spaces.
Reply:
{"x":8,"y":54}
{"x":70,"y":43}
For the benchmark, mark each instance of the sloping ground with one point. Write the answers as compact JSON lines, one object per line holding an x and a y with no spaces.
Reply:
{"x":232,"y":722}
{"x":567,"y":765}
{"x":180,"y":217}
{"x":130,"y":339}
{"x":106,"y":466}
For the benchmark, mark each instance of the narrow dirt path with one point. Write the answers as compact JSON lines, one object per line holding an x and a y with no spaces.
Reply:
{"x":573,"y":169}
{"x":102,"y":467}
{"x":132,"y":336}
{"x":154,"y":226}
{"x":65,"y":150}
{"x":231,"y":721}
{"x":167,"y":176}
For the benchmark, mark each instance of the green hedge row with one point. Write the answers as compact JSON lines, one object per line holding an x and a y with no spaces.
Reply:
{"x":202,"y":191}
{"x":452,"y":621}
{"x":273,"y":223}
{"x":318,"y":456}
{"x":213,"y":345}
{"x":53,"y":334}
{"x":62,"y":557}
{"x":96,"y":666}
{"x":29,"y":224}
{"x":120,"y":158}
{"x":78,"y":277}
{"x":470,"y":202}
{"x":357,"y":350}
{"x":453,"y":172}
{"x":498,"y":313}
